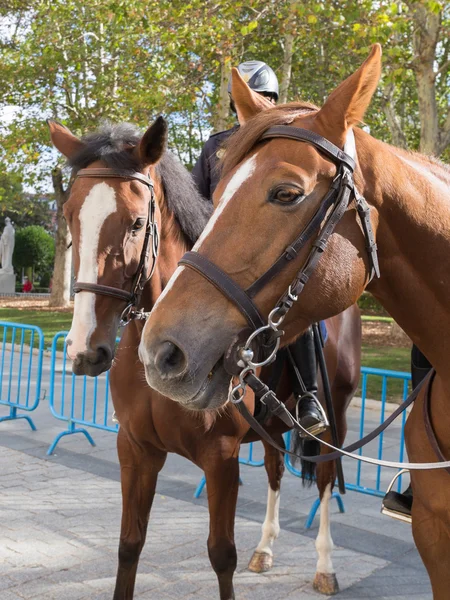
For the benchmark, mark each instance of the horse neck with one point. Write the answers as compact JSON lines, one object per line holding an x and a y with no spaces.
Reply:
{"x":412,"y":198}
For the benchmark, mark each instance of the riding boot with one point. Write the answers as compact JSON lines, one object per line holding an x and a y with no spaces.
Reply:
{"x":309,"y":410}
{"x":395,"y":504}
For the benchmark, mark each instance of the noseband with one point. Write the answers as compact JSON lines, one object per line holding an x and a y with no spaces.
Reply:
{"x":324,"y":221}
{"x":143,"y":274}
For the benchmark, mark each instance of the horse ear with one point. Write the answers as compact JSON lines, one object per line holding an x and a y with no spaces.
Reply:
{"x":247,"y":102}
{"x":347,"y":104}
{"x":153,"y":143}
{"x":63,"y":139}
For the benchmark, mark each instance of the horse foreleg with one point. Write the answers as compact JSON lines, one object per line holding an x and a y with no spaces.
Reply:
{"x":262,"y":559}
{"x":222,"y":484}
{"x":139,"y":468}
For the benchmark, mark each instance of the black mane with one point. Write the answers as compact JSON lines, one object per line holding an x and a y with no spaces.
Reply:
{"x":111,"y":144}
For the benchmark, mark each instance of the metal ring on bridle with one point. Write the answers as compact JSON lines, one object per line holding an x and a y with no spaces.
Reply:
{"x":125,"y":317}
{"x":243,"y":374}
{"x":269,"y":359}
{"x":275,"y":324}
{"x":239,"y":388}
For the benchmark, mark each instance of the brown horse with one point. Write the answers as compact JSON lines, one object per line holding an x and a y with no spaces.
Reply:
{"x":270,"y":190}
{"x":106,"y":216}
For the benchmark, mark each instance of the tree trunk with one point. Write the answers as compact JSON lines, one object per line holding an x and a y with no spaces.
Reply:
{"x":425,"y":40}
{"x":288,"y":52}
{"x":397,"y":133}
{"x":223,"y":105}
{"x":60,"y":295}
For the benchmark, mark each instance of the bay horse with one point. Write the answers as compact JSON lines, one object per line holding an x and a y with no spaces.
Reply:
{"x":270,"y":191}
{"x":106,"y":213}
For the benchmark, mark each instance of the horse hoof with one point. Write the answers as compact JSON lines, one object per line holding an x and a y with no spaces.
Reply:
{"x":260,"y":562}
{"x":326,"y":583}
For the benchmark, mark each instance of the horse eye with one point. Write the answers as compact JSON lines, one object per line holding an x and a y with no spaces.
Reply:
{"x":138,"y":224}
{"x":286,"y":195}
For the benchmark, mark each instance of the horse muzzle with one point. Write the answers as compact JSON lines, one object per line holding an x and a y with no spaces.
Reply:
{"x":93,"y":362}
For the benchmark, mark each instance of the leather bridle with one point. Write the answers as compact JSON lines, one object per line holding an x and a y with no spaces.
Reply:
{"x":332,"y":208}
{"x":238,"y":360}
{"x":151,"y":244}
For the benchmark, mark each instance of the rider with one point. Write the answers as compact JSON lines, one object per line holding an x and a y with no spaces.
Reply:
{"x":261,"y":79}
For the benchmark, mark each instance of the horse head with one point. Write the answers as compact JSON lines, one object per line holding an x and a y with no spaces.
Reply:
{"x":270,"y":190}
{"x":114,"y":184}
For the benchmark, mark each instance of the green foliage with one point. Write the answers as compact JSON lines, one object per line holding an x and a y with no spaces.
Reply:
{"x":125,"y":60}
{"x":370,"y":305}
{"x":23,"y":208}
{"x":34,"y":247}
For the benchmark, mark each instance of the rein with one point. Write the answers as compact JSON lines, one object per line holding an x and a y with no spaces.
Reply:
{"x":151,"y":244}
{"x":239,"y":359}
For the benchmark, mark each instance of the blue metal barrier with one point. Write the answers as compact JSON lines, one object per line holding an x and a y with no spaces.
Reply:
{"x":79,"y":400}
{"x":370,"y":482}
{"x":85,"y":402}
{"x":22,"y":351}
{"x":372,"y":472}
{"x":360,"y":477}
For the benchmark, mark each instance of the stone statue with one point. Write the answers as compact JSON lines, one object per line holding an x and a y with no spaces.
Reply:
{"x":7,"y":247}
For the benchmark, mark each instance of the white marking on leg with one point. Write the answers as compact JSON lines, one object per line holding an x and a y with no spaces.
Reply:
{"x":271,"y":525}
{"x":324,"y":542}
{"x":97,"y":206}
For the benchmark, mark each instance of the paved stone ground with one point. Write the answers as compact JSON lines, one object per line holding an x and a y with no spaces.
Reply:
{"x":60,"y":521}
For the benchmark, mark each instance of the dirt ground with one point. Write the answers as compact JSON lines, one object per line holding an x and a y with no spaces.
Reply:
{"x":380,"y":333}
{"x":32,"y":304}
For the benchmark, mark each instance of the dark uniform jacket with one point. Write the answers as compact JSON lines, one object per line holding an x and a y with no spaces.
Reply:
{"x":206,"y":172}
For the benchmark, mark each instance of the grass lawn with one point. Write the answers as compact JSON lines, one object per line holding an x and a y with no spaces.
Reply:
{"x":385,"y":357}
{"x":49,"y":321}
{"x":376,"y":318}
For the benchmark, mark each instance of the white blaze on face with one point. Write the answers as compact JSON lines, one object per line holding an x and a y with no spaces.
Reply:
{"x":241,"y":175}
{"x":97,"y":206}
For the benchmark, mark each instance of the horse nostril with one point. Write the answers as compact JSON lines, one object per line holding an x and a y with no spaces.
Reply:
{"x":103,"y":354}
{"x":170,"y":360}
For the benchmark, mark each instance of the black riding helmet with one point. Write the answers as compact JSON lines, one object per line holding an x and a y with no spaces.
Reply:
{"x":259,"y":77}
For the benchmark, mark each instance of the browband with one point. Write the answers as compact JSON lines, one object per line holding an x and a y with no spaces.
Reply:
{"x":305,"y":135}
{"x":105,"y":172}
